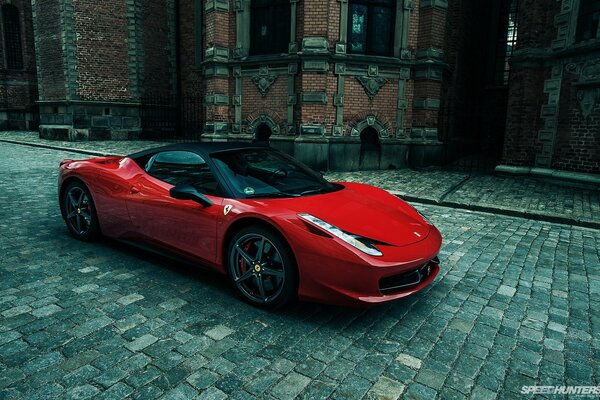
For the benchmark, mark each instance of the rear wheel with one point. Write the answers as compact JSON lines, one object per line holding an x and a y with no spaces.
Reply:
{"x":80,"y":212}
{"x":262,"y":268}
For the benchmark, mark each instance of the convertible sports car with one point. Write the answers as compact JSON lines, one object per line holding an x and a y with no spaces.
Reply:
{"x":276,"y":228}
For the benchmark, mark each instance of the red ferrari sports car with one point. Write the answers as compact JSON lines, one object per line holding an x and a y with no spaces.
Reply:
{"x":275,"y":227}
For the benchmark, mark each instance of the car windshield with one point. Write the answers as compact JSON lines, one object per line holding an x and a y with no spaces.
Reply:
{"x":264,"y":173}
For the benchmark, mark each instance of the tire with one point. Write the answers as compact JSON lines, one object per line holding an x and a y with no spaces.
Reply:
{"x":266,"y":279}
{"x":79,"y":212}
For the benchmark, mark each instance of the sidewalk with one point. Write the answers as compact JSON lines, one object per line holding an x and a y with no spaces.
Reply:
{"x":526,"y":197}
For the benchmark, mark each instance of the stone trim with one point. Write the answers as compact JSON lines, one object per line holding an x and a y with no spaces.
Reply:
{"x":237,"y":101}
{"x":429,"y":71}
{"x":172,"y":40}
{"x":251,"y":72}
{"x":315,"y":66}
{"x":565,"y":23}
{"x":402,"y":103}
{"x":216,"y":99}
{"x":372,"y":121}
{"x":135,"y":47}
{"x":291,"y":97}
{"x":312,"y":129}
{"x":242,"y":21}
{"x":293,"y":46}
{"x":588,"y":84}
{"x":36,"y":45}
{"x":440,"y":4}
{"x":403,"y":14}
{"x":424,"y":134}
{"x":215,"y":69}
{"x":217,"y":5}
{"x":217,"y":54}
{"x":338,"y":100}
{"x":67,"y":23}
{"x":549,"y":114}
{"x":340,"y":46}
{"x":430,"y":53}
{"x":426,"y":103}
{"x":313,"y":98}
{"x":315,"y":45}
{"x":212,"y":127}
{"x":263,"y":119}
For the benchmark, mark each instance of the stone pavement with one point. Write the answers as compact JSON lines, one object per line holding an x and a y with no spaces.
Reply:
{"x":516,"y":303}
{"x":509,"y":195}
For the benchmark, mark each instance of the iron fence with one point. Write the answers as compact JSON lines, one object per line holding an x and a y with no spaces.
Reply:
{"x":171,"y":118}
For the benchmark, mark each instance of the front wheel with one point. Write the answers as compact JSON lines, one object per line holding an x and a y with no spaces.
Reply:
{"x":262,"y":268}
{"x":79,"y":212}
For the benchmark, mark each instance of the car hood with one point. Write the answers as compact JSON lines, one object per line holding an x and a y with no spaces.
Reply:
{"x":366,"y":211}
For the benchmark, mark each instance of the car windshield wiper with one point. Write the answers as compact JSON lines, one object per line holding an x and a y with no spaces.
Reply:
{"x":271,"y":195}
{"x":312,"y":191}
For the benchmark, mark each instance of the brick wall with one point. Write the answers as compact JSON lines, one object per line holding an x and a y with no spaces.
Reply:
{"x":273,"y":103}
{"x":155,"y":79}
{"x":102,"y":51}
{"x":577,"y":146}
{"x":525,"y":100}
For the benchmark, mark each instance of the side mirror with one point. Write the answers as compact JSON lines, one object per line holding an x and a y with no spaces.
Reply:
{"x":188,"y":192}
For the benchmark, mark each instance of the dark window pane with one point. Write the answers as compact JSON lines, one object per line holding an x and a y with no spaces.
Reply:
{"x":358,"y":28}
{"x":12,"y":37}
{"x":381,"y":30}
{"x":588,"y":20}
{"x":269,"y":27}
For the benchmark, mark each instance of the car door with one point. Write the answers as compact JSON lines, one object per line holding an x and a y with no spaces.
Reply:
{"x":180,"y":225}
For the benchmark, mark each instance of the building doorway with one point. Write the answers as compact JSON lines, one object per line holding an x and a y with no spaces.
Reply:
{"x":263,"y":134}
{"x":370,"y":149}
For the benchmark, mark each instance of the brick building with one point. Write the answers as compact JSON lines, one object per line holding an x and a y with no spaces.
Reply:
{"x":18,"y":86}
{"x":341,"y":84}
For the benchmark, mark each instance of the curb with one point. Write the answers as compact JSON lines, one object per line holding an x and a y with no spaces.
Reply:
{"x":532,"y":215}
{"x":553,"y":218}
{"x":52,"y":147}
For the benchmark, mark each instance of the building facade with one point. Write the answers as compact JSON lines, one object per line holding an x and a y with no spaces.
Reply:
{"x":340,"y":84}
{"x":18,"y":85}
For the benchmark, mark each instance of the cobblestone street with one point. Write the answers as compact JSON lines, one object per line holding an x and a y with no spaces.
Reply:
{"x":516,"y":303}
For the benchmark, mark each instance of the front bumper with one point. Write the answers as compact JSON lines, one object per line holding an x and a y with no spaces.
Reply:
{"x":331,"y":272}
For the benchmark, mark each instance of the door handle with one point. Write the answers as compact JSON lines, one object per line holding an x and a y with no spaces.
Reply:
{"x":134,"y":189}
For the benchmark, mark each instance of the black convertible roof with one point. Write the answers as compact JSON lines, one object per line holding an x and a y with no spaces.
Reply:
{"x":202,"y":148}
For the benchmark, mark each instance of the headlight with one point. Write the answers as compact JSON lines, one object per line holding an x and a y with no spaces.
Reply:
{"x":356,"y":241}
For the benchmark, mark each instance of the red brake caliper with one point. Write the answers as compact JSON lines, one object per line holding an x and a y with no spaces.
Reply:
{"x":243,"y":263}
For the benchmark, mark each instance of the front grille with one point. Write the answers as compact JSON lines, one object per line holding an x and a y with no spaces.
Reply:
{"x":406,"y":279}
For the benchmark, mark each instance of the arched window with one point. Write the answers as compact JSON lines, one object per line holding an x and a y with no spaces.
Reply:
{"x":588,"y":20}
{"x":12,"y":37}
{"x":269,"y":26}
{"x":371,"y":27}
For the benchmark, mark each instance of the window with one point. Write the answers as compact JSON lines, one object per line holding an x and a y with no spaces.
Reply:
{"x":269,"y":26}
{"x":506,"y":42}
{"x":12,"y":37}
{"x":371,"y":27}
{"x":588,"y":20}
{"x":183,"y":167}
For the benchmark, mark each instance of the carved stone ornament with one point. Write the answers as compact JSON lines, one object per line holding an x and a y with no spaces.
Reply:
{"x":371,"y":84}
{"x":264,"y":82}
{"x":588,"y":85}
{"x":588,"y":97}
